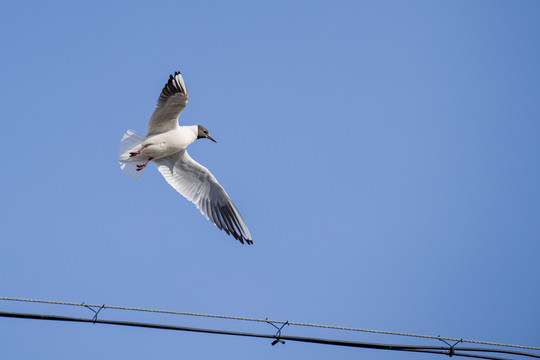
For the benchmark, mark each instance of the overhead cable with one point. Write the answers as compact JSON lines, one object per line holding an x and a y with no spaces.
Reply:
{"x":441,"y":350}
{"x":267,"y":320}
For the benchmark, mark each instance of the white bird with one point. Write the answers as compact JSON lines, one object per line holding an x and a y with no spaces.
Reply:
{"x":165,"y":143}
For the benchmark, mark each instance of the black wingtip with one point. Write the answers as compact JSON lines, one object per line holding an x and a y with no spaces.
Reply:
{"x":242,"y":239}
{"x":171,"y":87}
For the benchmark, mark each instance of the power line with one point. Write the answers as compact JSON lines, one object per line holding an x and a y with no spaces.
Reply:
{"x":450,"y":350}
{"x":268,"y":321}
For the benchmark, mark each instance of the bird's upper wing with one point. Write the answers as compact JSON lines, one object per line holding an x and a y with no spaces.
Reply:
{"x":199,"y":186}
{"x":172,"y":100}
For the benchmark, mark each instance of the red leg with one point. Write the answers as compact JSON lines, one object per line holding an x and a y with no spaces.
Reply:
{"x":140,"y":167}
{"x":135,"y":153}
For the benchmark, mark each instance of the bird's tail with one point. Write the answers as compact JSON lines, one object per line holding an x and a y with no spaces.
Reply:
{"x":131,"y":141}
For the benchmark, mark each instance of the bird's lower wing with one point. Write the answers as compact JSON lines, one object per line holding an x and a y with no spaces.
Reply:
{"x":199,"y":186}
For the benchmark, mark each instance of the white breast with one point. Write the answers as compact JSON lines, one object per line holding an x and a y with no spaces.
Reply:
{"x":170,"y":142}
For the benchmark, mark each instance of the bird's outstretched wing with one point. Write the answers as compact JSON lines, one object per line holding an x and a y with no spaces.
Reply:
{"x":172,"y":100}
{"x":199,"y":186}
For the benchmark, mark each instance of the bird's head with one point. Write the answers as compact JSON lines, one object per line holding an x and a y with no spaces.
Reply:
{"x":203,"y":133}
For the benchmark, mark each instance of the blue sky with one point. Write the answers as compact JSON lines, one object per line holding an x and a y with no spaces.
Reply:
{"x":383,"y":154}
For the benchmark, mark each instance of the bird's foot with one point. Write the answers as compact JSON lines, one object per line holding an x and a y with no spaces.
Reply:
{"x":135,"y":153}
{"x":140,"y":167}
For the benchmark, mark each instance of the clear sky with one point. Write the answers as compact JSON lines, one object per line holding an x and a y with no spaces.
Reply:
{"x":384,"y":155}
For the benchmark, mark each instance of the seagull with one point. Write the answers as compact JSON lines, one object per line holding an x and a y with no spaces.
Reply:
{"x":165,"y":144}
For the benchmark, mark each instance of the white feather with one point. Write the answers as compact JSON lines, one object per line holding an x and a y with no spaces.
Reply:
{"x":131,"y":141}
{"x":197,"y":184}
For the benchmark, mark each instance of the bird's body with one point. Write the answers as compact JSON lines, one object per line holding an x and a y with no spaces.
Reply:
{"x":165,"y":144}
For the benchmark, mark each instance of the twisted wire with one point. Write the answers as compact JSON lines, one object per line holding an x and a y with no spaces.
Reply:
{"x":267,"y":320}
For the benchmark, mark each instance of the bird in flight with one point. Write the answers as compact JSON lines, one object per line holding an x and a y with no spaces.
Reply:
{"x":165,"y":144}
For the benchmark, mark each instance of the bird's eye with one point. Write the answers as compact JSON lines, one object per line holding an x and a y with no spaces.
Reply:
{"x":205,"y":131}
